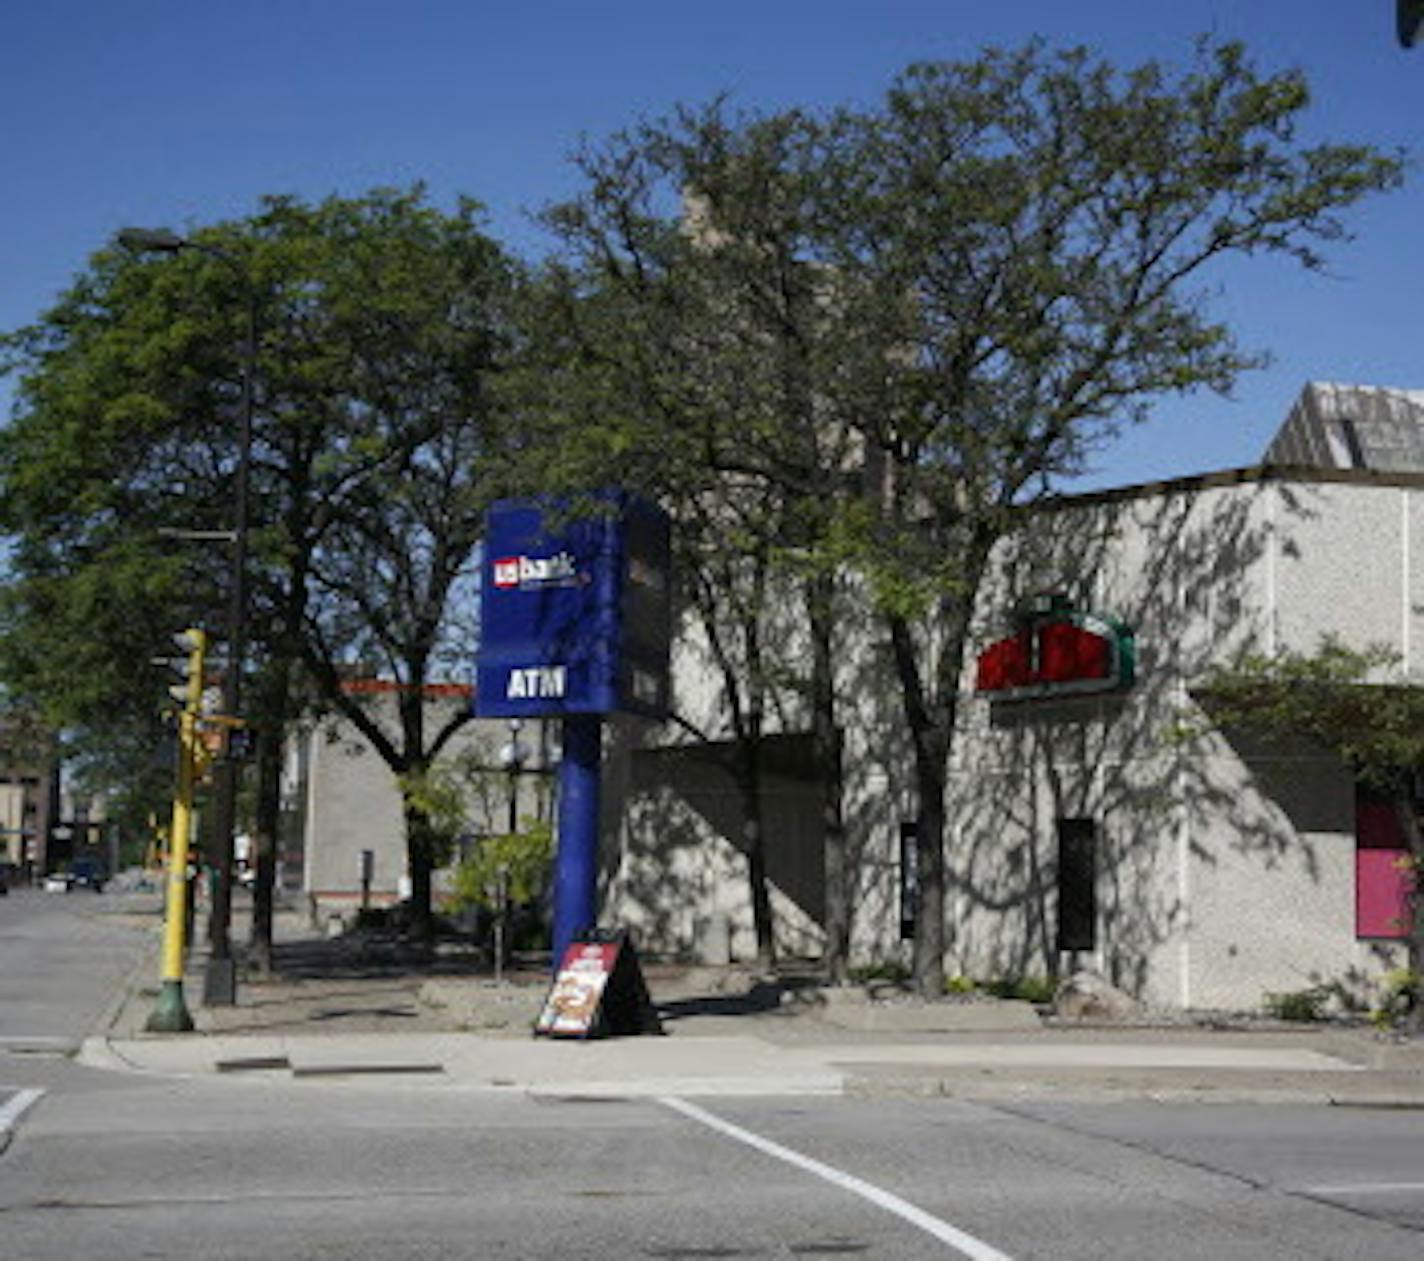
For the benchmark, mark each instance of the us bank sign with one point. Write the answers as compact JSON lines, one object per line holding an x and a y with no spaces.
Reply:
{"x":575,"y":608}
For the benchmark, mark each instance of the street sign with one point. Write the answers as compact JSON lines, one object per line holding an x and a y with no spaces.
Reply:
{"x":575,"y":608}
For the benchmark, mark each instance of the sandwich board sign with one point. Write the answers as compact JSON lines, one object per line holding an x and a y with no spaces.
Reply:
{"x":598,"y":991}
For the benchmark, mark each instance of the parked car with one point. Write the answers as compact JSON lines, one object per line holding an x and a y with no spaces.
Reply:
{"x":58,"y":882}
{"x":88,"y":873}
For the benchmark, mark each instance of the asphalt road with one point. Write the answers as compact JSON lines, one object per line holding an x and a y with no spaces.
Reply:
{"x":121,"y":1166}
{"x":64,"y":957}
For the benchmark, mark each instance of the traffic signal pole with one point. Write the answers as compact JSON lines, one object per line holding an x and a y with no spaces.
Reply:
{"x":171,"y":1014}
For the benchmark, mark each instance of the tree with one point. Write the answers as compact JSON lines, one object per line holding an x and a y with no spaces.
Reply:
{"x":394,"y":318}
{"x":386,"y":585}
{"x":705,"y":357}
{"x":380,"y":324}
{"x":93,"y":467}
{"x":917,"y":319}
{"x":1046,"y":219}
{"x":1358,"y":704}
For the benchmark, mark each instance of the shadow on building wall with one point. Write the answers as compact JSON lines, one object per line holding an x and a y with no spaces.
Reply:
{"x":1171,"y":799}
{"x":1185,"y":816}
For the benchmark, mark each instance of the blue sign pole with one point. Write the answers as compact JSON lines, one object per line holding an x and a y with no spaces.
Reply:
{"x":576,"y":865}
{"x":575,"y":622}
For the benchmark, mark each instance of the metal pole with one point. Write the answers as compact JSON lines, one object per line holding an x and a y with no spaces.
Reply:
{"x":576,"y":867}
{"x":220,"y":982}
{"x":501,"y":898}
{"x":171,"y":1013}
{"x":514,"y":759}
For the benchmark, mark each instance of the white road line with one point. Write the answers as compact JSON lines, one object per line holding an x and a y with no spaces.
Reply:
{"x":16,"y":1106}
{"x":975,"y":1249}
{"x":1365,"y":1188}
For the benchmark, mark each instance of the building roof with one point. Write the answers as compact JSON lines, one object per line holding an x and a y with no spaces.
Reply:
{"x":1353,"y":427}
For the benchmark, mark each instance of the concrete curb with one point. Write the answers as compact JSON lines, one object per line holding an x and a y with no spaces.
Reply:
{"x":1039,"y":1092}
{"x":731,"y":1033}
{"x":132,"y":985}
{"x":98,"y":1052}
{"x":853,"y":1009}
{"x":752,"y":1066}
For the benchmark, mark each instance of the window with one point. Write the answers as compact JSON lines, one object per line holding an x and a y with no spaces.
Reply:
{"x":1077,"y":884}
{"x":909,"y":879}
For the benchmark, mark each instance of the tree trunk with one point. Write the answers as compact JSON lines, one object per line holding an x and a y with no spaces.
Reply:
{"x":264,"y":847}
{"x":932,"y":714}
{"x":827,"y":757}
{"x":930,"y":889}
{"x":420,"y":856}
{"x":930,"y":731}
{"x":1413,"y":1023}
{"x":749,"y":780}
{"x":273,"y":709}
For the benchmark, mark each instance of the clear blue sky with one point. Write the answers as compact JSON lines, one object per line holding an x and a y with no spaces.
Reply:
{"x":151,"y":112}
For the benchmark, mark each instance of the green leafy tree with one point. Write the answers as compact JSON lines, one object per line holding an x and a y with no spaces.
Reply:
{"x":917,"y":318}
{"x":380,"y":321}
{"x":93,"y":464}
{"x":702,"y":363}
{"x":396,"y":315}
{"x":1047,"y":222}
{"x":1357,"y":704}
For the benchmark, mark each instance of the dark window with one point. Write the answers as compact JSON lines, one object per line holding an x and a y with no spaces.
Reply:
{"x":909,"y":880}
{"x":1077,"y":884}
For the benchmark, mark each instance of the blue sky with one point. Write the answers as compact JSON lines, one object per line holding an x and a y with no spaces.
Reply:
{"x":151,"y":112}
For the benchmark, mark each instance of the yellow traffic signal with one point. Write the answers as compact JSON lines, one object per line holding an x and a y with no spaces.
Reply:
{"x":171,"y":1014}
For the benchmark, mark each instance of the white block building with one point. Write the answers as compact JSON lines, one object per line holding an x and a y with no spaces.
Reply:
{"x":1106,"y":830}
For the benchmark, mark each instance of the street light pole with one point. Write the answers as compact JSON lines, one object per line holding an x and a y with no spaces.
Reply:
{"x":512,"y":755}
{"x":514,"y":763}
{"x":220,"y":982}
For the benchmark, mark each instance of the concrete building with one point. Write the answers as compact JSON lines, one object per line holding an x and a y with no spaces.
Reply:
{"x":29,"y":797}
{"x":342,"y":800}
{"x":1111,"y":829}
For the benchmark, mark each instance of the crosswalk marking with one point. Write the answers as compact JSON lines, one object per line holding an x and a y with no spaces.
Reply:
{"x":961,"y":1241}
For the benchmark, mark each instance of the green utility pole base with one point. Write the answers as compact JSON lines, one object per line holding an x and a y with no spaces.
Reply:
{"x":171,"y":1014}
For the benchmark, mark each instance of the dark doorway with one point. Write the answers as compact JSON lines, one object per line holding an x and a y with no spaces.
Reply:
{"x":1077,"y":884}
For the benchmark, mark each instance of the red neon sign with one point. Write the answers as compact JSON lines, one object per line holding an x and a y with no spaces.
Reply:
{"x":1055,"y":653}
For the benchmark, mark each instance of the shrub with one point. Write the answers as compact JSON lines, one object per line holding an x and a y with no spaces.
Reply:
{"x":1402,"y":992}
{"x":524,"y":859}
{"x":373,"y":919}
{"x":1300,"y":1006}
{"x":886,"y":970}
{"x":1029,"y":989}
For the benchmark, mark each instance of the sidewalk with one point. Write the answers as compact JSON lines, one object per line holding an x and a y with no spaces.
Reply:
{"x":361,"y":1010}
